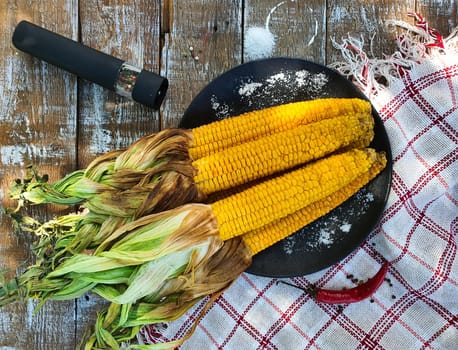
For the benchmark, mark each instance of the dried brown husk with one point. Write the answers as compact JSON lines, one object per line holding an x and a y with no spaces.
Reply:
{"x":153,"y":174}
{"x":205,"y":277}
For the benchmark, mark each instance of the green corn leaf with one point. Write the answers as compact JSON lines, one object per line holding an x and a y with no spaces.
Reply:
{"x":46,"y":285}
{"x":107,"y":292}
{"x":74,"y":290}
{"x":23,"y":222}
{"x":112,"y":314}
{"x":113,"y":204}
{"x":104,"y":337}
{"x":41,"y":194}
{"x":68,"y":180}
{"x":132,"y":257}
{"x":151,"y":276}
{"x":86,"y":188}
{"x":146,"y":232}
{"x":64,"y":242}
{"x":139,"y":156}
{"x":119,"y":275}
{"x":8,"y":291}
{"x":89,"y":345}
{"x":61,"y":226}
{"x":81,"y":263}
{"x":102,"y":166}
{"x":145,"y":313}
{"x":124,"y":314}
{"x":127,"y":334}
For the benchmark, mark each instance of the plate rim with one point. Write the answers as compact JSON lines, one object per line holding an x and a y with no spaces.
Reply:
{"x":387,"y":172}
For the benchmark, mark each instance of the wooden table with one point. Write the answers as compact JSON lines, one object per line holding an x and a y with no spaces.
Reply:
{"x":58,"y":122}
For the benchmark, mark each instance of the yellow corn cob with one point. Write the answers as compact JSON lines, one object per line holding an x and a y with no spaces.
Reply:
{"x":277,"y":152}
{"x":283,"y":195}
{"x":264,"y":237}
{"x":159,"y":166}
{"x":214,"y":137}
{"x":363,"y":142}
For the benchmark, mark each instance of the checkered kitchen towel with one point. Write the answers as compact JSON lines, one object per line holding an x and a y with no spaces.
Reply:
{"x":418,"y":307}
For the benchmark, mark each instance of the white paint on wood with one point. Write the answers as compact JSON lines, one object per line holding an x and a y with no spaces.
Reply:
{"x":8,"y":87}
{"x":338,"y":14}
{"x":20,"y":155}
{"x":30,"y":307}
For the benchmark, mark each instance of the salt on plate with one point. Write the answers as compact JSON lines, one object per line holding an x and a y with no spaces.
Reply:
{"x":345,"y":227}
{"x":325,"y":237}
{"x":248,"y":89}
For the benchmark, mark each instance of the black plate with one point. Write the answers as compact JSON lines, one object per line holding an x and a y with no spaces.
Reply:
{"x":269,"y":82}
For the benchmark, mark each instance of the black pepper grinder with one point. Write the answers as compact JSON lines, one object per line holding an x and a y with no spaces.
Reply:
{"x":110,"y":72}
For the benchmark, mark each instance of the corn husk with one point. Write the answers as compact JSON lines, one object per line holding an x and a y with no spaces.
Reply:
{"x":210,"y":278}
{"x":153,"y":174}
{"x":152,"y":269}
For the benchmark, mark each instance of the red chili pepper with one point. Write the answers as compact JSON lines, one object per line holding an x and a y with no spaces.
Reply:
{"x":347,"y":296}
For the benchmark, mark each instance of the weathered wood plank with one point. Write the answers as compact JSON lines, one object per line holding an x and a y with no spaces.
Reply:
{"x":441,"y":14}
{"x":366,"y":20}
{"x":299,"y":27}
{"x":38,"y":119}
{"x":204,"y":40}
{"x":130,"y":31}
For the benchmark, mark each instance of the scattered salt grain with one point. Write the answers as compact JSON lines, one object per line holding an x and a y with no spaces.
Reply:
{"x":281,"y":87}
{"x":214,"y":102}
{"x":319,"y":79}
{"x":364,"y":198}
{"x":332,"y":229}
{"x":325,"y":237}
{"x":288,"y":245}
{"x":274,"y":79}
{"x":345,"y":227}
{"x":248,"y":89}
{"x":222,"y":110}
{"x":301,"y":77}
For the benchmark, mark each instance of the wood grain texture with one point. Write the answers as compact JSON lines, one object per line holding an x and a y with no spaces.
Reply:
{"x":441,"y":14}
{"x":299,"y":27}
{"x":130,"y":31}
{"x":38,"y":119}
{"x":204,"y":41}
{"x":365,"y":19}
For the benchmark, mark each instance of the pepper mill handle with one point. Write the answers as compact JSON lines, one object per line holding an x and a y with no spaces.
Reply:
{"x":110,"y":72}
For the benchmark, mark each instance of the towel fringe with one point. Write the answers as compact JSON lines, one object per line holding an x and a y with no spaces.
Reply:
{"x":416,"y":44}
